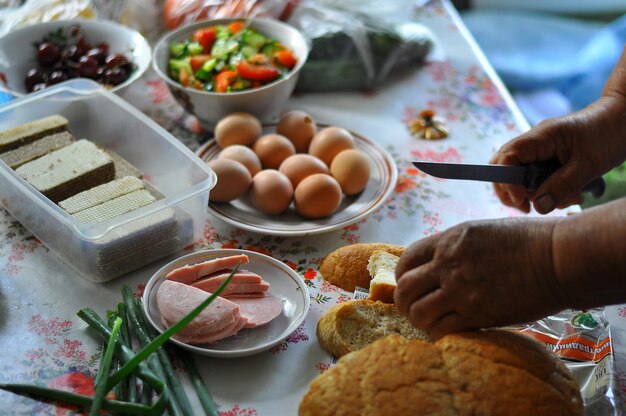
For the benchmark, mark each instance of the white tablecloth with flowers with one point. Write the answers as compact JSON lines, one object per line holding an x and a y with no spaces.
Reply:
{"x":43,"y":341}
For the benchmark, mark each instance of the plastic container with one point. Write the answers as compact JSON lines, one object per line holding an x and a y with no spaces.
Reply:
{"x":106,"y":250}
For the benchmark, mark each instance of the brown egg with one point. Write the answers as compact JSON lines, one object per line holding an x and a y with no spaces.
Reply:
{"x":272,"y":149}
{"x":329,"y":142}
{"x":243,"y":155}
{"x":298,"y":167}
{"x":317,"y":196}
{"x":237,"y":128}
{"x":271,"y":191}
{"x":351,"y":168}
{"x":233,"y":180}
{"x":299,"y":127}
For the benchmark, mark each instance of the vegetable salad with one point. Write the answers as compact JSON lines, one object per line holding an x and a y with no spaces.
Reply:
{"x":227,"y":58}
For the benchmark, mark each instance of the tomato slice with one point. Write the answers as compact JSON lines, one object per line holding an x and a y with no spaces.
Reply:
{"x":197,"y":61}
{"x":263,"y":73}
{"x":206,"y":38}
{"x":285,"y":58}
{"x":235,"y":27}
{"x":224,"y":79}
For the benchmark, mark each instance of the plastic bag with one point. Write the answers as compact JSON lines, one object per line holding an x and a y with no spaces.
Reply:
{"x":582,"y":339}
{"x":36,"y":11}
{"x":178,"y":12}
{"x":356,"y":45}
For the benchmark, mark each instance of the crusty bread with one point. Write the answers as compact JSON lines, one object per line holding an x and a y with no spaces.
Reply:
{"x":354,"y":324}
{"x":382,"y":269}
{"x":346,"y":267}
{"x":487,"y":373}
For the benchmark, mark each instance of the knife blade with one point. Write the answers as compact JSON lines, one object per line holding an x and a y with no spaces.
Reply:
{"x":529,"y":176}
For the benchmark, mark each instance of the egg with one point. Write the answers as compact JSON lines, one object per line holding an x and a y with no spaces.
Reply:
{"x":237,"y":128}
{"x":271,"y":191}
{"x":233,"y":180}
{"x":299,"y":127}
{"x":272,"y":149}
{"x":298,"y":167}
{"x":351,"y":168}
{"x":317,"y":196}
{"x":329,"y":142}
{"x":243,"y":155}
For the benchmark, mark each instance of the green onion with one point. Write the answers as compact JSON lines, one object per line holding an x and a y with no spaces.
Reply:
{"x":62,"y":396}
{"x":159,"y":363}
{"x":103,"y":371}
{"x":196,"y":379}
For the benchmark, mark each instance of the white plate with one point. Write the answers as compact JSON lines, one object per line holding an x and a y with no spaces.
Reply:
{"x":241,"y":212}
{"x":285,"y":284}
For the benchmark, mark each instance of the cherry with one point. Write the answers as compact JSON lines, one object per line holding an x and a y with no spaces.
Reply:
{"x":116,"y":60}
{"x":56,"y":77}
{"x":115,"y":76}
{"x":48,"y":54}
{"x":34,"y":76}
{"x":88,"y":67}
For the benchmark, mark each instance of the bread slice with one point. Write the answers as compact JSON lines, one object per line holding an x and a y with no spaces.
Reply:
{"x":382,"y":269}
{"x":492,"y":372}
{"x":29,"y":132}
{"x":346,"y":267}
{"x":354,"y":324}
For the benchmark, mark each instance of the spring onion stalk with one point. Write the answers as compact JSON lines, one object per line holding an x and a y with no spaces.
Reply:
{"x":82,"y":401}
{"x":126,"y":355}
{"x":166,"y":335}
{"x":105,"y":368}
{"x":207,"y":402}
{"x":140,"y":329}
{"x":126,"y":391}
{"x":178,"y":405}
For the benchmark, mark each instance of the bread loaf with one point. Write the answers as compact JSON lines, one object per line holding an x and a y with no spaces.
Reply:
{"x":488,"y":373}
{"x":382,"y":267}
{"x":354,"y":324}
{"x":346,"y":267}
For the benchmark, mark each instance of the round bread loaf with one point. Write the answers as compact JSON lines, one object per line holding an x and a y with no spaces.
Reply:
{"x":346,"y":267}
{"x":487,"y":373}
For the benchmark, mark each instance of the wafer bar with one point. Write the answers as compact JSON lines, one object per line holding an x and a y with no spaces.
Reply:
{"x":101,"y":193}
{"x":115,"y":207}
{"x":68,"y":171}
{"x":28,"y":152}
{"x":122,"y":166}
{"x":29,"y":132}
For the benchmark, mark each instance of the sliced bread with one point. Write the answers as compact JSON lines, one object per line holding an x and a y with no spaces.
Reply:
{"x":354,"y":324}
{"x":346,"y":267}
{"x":382,"y":269}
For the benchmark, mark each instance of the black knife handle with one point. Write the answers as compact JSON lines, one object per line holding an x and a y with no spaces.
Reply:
{"x":539,"y":172}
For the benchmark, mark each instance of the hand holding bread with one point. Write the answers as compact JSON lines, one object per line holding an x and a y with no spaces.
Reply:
{"x":479,"y":275}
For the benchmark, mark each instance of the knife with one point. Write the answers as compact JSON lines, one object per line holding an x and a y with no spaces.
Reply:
{"x":530,"y":176}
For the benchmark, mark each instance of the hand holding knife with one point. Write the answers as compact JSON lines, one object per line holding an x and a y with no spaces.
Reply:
{"x":530,"y":176}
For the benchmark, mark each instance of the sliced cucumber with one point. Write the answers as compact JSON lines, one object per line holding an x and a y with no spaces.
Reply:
{"x":177,"y":65}
{"x":223,"y":47}
{"x":248,"y":51}
{"x":178,"y":48}
{"x":204,"y":73}
{"x":254,"y":39}
{"x":194,"y":48}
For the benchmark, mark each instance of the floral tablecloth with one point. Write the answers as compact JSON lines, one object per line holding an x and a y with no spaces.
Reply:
{"x":42,"y":340}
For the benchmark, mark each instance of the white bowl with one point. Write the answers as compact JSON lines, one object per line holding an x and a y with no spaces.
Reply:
{"x":285,"y":284}
{"x":264,"y":102}
{"x":17,"y":53}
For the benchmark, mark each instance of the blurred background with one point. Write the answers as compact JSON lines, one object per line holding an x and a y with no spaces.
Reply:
{"x":554,"y":56}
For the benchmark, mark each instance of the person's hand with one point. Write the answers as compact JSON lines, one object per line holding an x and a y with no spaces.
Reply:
{"x":479,"y":275}
{"x":587,"y":144}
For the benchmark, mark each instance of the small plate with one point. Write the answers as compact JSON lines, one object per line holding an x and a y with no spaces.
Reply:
{"x":285,"y":284}
{"x":241,"y":212}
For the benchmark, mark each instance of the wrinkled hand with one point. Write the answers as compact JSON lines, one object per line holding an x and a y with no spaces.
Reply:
{"x":587,"y":144}
{"x":479,"y":275}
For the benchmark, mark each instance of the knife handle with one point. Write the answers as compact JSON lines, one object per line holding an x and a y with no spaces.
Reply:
{"x":539,"y":172}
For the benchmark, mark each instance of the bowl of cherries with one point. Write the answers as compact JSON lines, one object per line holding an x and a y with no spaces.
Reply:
{"x":37,"y":56}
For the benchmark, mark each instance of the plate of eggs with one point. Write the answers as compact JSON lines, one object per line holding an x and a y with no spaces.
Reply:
{"x":294,"y":178}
